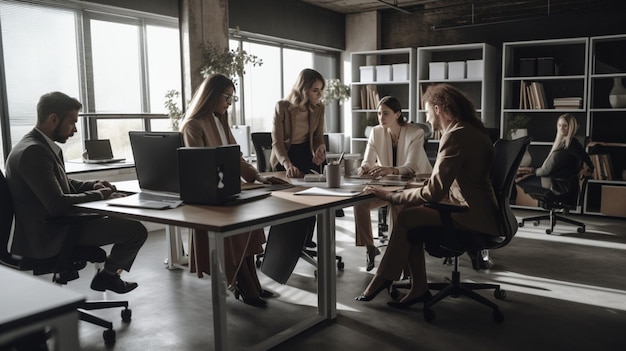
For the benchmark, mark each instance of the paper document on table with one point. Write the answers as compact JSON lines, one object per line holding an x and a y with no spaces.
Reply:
{"x":327,"y":192}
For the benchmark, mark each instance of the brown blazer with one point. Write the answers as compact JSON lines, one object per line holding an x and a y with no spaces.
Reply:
{"x":282,"y":130}
{"x":203,"y":132}
{"x":461,"y":176}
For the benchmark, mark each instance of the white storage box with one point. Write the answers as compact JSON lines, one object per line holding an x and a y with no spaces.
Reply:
{"x":368,"y":74}
{"x":400,"y":72}
{"x":456,"y":70}
{"x":437,"y":70}
{"x":384,"y":73}
{"x":475,"y":69}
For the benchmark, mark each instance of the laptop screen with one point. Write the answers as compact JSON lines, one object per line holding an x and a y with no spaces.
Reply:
{"x":156,"y":159}
{"x":99,"y":149}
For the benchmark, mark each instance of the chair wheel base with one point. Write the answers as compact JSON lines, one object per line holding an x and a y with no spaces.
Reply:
{"x":126,"y":315}
{"x":109,"y":336}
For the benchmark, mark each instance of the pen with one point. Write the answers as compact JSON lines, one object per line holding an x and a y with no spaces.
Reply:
{"x":340,"y":158}
{"x":313,"y":171}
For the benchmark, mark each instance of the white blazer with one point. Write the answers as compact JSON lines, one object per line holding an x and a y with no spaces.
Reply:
{"x":411,"y":159}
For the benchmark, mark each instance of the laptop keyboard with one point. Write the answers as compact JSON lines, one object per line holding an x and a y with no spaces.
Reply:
{"x":145,"y":196}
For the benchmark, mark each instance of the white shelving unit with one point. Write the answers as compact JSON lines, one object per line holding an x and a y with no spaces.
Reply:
{"x":402,"y":88}
{"x":478,"y":82}
{"x":606,"y":125}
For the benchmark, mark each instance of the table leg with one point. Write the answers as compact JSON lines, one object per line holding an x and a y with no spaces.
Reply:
{"x":326,"y":273}
{"x":218,"y":290}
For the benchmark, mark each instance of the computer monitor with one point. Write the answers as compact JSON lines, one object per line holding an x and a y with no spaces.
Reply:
{"x":156,"y":159}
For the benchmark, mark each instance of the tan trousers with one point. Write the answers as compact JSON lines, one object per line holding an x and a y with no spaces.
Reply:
{"x":363,"y":219}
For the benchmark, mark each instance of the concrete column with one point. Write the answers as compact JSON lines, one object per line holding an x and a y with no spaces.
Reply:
{"x":201,"y":21}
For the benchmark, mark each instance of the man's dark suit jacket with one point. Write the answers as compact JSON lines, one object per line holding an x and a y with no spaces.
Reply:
{"x":41,"y":189}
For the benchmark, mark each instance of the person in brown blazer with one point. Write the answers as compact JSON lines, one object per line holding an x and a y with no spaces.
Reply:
{"x":41,"y":189}
{"x":206,"y":124}
{"x":460,"y":176}
{"x":298,"y":129}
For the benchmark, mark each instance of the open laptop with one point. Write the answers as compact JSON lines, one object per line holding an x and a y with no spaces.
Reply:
{"x":212,"y":176}
{"x":156,"y":165}
{"x":99,"y":151}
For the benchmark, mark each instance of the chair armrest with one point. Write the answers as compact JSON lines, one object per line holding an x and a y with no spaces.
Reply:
{"x":74,"y":218}
{"x":446,"y":207}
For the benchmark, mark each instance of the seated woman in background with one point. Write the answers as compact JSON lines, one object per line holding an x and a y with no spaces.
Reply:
{"x":562,"y":163}
{"x":460,"y":176}
{"x":394,"y":147}
{"x":206,"y":124}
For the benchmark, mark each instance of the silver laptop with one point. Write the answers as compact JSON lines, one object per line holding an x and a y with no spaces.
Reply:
{"x":156,"y":165}
{"x":99,"y":151}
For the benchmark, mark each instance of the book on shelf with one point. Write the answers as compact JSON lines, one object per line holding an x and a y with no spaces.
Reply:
{"x":532,"y":96}
{"x":369,"y":97}
{"x":568,"y":102}
{"x":602,"y":166}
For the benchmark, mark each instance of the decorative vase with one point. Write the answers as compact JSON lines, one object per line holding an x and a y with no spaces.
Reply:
{"x":617,"y":96}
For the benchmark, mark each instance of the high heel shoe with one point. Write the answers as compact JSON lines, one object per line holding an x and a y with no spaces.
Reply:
{"x":386,"y":285}
{"x":266,"y":293}
{"x":370,"y":257}
{"x":256,"y":301}
{"x":406,"y":304}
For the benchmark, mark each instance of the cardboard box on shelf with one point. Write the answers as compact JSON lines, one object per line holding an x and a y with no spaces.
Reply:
{"x":383,"y":73}
{"x":456,"y":70}
{"x":475,"y":69}
{"x":613,"y":201}
{"x":400,"y":72}
{"x":368,"y":74}
{"x":437,"y":70}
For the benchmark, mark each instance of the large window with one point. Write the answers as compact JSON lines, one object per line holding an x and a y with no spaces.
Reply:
{"x":265,"y":85}
{"x":120,"y":63}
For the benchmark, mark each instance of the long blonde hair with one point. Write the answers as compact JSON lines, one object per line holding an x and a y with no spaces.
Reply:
{"x":562,"y":142}
{"x":305,"y":81}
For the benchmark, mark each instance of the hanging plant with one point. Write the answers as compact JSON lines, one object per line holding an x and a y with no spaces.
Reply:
{"x":230,"y":63}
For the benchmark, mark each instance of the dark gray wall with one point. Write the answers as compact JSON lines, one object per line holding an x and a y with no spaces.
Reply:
{"x":289,"y":19}
{"x":160,"y":7}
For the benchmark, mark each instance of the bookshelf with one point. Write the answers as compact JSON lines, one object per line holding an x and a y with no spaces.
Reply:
{"x":468,"y":67}
{"x":541,"y":80}
{"x":606,"y":193}
{"x":376,"y":74}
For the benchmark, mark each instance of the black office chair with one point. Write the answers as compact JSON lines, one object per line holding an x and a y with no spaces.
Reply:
{"x":263,"y":147}
{"x":554,"y":203}
{"x":449,"y":242}
{"x":63,"y":267}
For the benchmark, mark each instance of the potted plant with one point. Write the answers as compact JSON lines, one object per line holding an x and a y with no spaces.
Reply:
{"x":370,"y":122}
{"x":173,"y":111}
{"x":516,"y":125}
{"x":335,"y":91}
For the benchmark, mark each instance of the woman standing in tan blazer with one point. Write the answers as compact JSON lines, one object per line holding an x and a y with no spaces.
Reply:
{"x":394,"y":147}
{"x":460,"y":176}
{"x":206,"y":124}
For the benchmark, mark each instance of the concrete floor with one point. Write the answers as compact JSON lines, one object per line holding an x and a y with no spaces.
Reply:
{"x":565,"y":292}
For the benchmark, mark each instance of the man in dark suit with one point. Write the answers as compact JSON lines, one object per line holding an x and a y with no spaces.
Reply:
{"x":41,"y":189}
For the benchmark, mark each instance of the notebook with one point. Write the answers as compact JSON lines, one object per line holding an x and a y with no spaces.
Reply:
{"x":99,"y":151}
{"x":156,"y":165}
{"x":212,"y":176}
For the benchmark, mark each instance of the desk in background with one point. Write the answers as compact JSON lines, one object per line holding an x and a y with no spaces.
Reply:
{"x":223,"y":221}
{"x":29,"y":304}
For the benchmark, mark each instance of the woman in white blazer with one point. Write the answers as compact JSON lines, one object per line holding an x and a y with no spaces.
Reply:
{"x":394,"y":147}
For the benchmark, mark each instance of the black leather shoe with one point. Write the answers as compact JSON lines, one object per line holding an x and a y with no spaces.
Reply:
{"x":406,"y":304}
{"x":370,"y":257}
{"x":104,"y":281}
{"x":310,"y":244}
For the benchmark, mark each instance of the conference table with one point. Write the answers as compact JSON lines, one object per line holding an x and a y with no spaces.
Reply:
{"x":223,"y":221}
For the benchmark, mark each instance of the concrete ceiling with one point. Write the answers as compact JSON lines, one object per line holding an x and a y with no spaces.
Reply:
{"x":471,"y":11}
